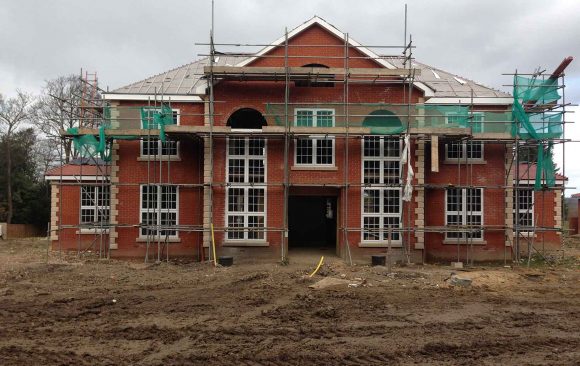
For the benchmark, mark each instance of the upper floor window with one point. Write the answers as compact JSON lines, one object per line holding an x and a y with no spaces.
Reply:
{"x":314,"y":150}
{"x":470,"y":150}
{"x":159,"y":210}
{"x":152,"y":146}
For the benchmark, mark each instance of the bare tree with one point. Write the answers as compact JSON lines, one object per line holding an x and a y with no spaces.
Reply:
{"x":14,"y":112}
{"x":67,"y":102}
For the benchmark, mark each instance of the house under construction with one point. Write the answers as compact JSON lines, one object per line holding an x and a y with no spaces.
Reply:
{"x":315,"y":141}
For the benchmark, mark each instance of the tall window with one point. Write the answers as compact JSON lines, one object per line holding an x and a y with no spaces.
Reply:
{"x":381,"y":194}
{"x":524,"y":208}
{"x":153,"y":147}
{"x":316,"y":150}
{"x":246,"y":193}
{"x":159,"y":210}
{"x":472,"y":150}
{"x":95,"y":204}
{"x":464,"y":207}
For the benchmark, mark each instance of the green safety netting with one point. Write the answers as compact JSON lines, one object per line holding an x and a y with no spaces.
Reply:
{"x":534,"y":120}
{"x":389,"y":119}
{"x":150,"y":118}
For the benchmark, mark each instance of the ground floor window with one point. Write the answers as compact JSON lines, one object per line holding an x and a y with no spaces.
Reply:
{"x":95,"y":204}
{"x":246,"y":193}
{"x":381,"y":214}
{"x":524,"y":208}
{"x":159,"y":210}
{"x":464,"y":208}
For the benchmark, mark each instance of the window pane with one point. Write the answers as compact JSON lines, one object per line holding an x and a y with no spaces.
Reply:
{"x":324,"y":151}
{"x":168,"y":221}
{"x":257,"y":147}
{"x":149,"y":197}
{"x":88,"y":198}
{"x":148,"y":219}
{"x":391,"y":223}
{"x":233,"y":223}
{"x":372,"y":171}
{"x":304,"y":151}
{"x":304,"y":118}
{"x":473,"y":200}
{"x":236,"y":200}
{"x":324,"y":119}
{"x":256,"y":170}
{"x":391,"y":201}
{"x":454,"y":220}
{"x":87,"y":215}
{"x":255,"y":222}
{"x":371,"y":227}
{"x":256,"y":200}
{"x":391,"y":172}
{"x":169,"y":148}
{"x":169,"y":197}
{"x":454,"y":200}
{"x":474,"y":150}
{"x":237,"y":146}
{"x":371,"y":146}
{"x":474,"y":220}
{"x":372,"y":202}
{"x":237,"y":169}
{"x":392,"y":147}
{"x":454,"y":150}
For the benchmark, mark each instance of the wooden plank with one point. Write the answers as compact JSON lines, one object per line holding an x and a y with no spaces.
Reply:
{"x":435,"y":153}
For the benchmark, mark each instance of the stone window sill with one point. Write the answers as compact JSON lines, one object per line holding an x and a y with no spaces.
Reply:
{"x":245,"y":243}
{"x":370,"y":244}
{"x":464,"y":242}
{"x":156,"y":158}
{"x":314,"y":167}
{"x":154,"y":240}
{"x":463,"y":161}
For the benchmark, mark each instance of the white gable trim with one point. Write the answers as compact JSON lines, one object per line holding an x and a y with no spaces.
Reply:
{"x":468,"y":100}
{"x":323,"y":23}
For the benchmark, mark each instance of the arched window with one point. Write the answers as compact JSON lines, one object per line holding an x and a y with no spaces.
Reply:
{"x":383,"y":122}
{"x":247,"y":118}
{"x":317,"y":81}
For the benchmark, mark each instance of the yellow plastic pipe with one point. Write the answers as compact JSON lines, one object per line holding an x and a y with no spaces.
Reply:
{"x":213,"y":246}
{"x":318,"y":267}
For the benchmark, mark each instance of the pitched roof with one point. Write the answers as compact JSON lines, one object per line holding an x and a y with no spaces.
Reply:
{"x":528,"y":172}
{"x":184,"y":80}
{"x":76,"y":171}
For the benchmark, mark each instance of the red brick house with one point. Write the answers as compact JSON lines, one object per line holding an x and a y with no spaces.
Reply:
{"x":336,"y":176}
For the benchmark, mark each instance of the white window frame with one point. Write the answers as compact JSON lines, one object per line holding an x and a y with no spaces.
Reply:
{"x":157,"y":211}
{"x":464,"y":214}
{"x":95,"y":207}
{"x":531,"y":210}
{"x":246,"y":186}
{"x":315,"y":137}
{"x":464,"y":144}
{"x":177,"y":117}
{"x":382,"y":188}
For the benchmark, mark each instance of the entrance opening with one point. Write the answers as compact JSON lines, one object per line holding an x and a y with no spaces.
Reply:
{"x":311,"y":222}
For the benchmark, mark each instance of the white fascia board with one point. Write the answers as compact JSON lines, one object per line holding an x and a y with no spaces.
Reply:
{"x":467,"y":100}
{"x":145,"y":97}
{"x":76,"y":178}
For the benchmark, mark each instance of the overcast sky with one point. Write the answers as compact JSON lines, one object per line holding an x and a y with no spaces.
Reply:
{"x":126,"y":41}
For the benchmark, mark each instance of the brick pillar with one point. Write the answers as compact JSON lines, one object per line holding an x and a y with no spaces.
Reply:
{"x":510,"y":169}
{"x":54,"y":206}
{"x":114,"y":179}
{"x":420,"y":195}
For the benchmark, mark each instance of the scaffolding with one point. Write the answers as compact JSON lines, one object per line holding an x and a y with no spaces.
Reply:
{"x":534,"y":122}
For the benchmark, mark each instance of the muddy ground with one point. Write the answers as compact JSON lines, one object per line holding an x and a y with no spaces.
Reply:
{"x":96,"y":312}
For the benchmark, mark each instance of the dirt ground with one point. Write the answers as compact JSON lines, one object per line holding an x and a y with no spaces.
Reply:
{"x":104,"y":312}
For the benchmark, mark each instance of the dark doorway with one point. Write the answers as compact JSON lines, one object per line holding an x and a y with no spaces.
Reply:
{"x":311,"y":222}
